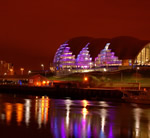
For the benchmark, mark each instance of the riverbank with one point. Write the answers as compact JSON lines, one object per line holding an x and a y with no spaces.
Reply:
{"x":56,"y":92}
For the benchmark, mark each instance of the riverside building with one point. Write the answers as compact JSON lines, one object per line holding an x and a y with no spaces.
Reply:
{"x":6,"y":68}
{"x":85,"y":54}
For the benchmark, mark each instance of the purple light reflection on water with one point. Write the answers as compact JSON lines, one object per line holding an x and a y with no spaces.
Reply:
{"x":63,"y":131}
{"x":95,"y":134}
{"x":55,"y":129}
{"x":79,"y":130}
{"x":111,"y":132}
{"x":75,"y":130}
{"x":102,"y":134}
{"x":89,"y":130}
{"x":83,"y":127}
{"x":100,"y":119}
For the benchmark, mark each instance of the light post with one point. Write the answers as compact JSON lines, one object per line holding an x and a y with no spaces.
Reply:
{"x":21,"y":69}
{"x":11,"y":71}
{"x":42,"y":65}
{"x":29,"y":72}
{"x":137,"y":68}
{"x":105,"y":69}
{"x":85,"y":78}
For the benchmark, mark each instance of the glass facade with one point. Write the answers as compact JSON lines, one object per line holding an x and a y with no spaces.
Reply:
{"x":64,"y":58}
{"x":107,"y":58}
{"x":83,"y":59}
{"x":58,"y":54}
{"x":143,"y":57}
{"x":67,"y":60}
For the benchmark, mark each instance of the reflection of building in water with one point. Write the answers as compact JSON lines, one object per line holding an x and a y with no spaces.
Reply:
{"x":84,"y":110}
{"x":137,"y":115}
{"x":80,"y":122}
{"x":103,"y":114}
{"x":8,"y":110}
{"x":84,"y":120}
{"x":68,"y":104}
{"x":46,"y":107}
{"x":84,"y":103}
{"x":27,"y":111}
{"x":19,"y":112}
{"x":43,"y":110}
{"x":36,"y":107}
{"x":103,"y":104}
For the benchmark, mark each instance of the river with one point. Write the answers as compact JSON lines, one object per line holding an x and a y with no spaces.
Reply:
{"x":23,"y":116}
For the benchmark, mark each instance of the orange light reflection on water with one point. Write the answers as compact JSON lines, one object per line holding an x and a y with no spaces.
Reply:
{"x":19,"y":113}
{"x":8,"y":110}
{"x":43,"y":110}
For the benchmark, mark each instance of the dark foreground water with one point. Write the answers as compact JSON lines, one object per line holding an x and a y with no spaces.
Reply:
{"x":41,"y":117}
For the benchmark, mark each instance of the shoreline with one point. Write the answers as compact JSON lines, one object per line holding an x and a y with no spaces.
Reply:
{"x":58,"y":93}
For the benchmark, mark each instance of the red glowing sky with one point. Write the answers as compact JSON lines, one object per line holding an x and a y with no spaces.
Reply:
{"x":32,"y":30}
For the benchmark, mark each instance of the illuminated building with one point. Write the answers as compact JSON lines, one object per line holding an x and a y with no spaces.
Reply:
{"x":38,"y":80}
{"x":107,"y":58}
{"x":90,"y":54}
{"x":83,"y":59}
{"x":67,"y":60}
{"x":143,"y":57}
{"x":6,"y":68}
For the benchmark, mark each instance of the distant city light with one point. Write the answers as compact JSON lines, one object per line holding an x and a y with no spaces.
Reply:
{"x":29,"y":72}
{"x":42,"y":65}
{"x":105,"y":69}
{"x":11,"y":70}
{"x":21,"y":69}
{"x":85,"y":78}
{"x":44,"y":82}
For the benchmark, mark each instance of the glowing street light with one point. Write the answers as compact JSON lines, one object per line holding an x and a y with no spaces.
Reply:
{"x":85,"y":78}
{"x":42,"y":65}
{"x":21,"y":69}
{"x":11,"y":71}
{"x":29,"y":72}
{"x":137,"y":73}
{"x":105,"y":69}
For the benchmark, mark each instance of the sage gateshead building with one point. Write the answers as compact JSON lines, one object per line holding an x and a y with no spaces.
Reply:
{"x":83,"y":54}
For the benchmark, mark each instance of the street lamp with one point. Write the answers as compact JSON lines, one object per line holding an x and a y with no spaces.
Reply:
{"x":105,"y":69}
{"x":29,"y":72}
{"x":85,"y":79}
{"x":21,"y":69}
{"x":137,"y":72}
{"x":42,"y":65}
{"x":11,"y":71}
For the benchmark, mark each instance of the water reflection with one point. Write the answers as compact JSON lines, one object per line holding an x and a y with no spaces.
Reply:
{"x":19,"y":113}
{"x":76,"y":118}
{"x":137,"y":115}
{"x":68,"y":103}
{"x":84,"y":110}
{"x":27,"y":111}
{"x":41,"y":110}
{"x":8,"y":112}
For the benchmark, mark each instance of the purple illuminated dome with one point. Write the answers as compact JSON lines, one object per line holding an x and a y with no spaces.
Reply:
{"x":89,"y":53}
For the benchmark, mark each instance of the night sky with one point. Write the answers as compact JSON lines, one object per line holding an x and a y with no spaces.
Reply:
{"x":32,"y":30}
